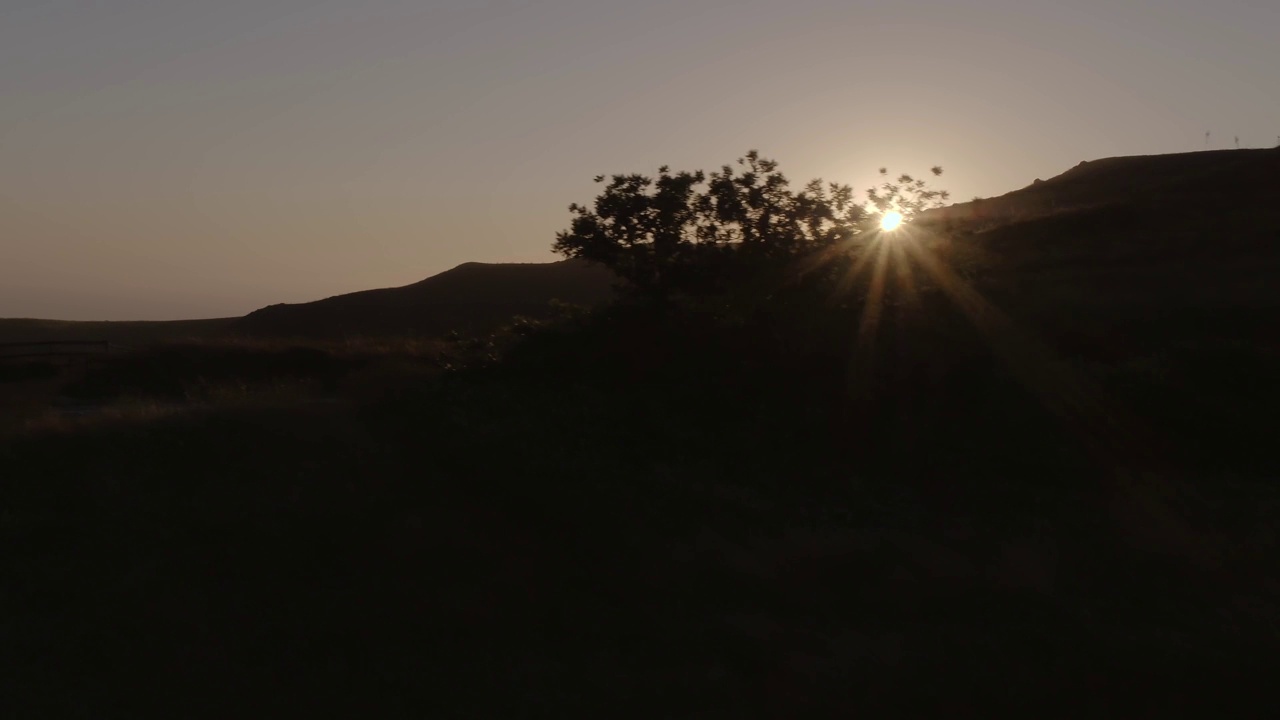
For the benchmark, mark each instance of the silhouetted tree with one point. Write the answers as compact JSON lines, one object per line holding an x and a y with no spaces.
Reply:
{"x":642,"y":228}
{"x":694,"y":231}
{"x":907,"y":195}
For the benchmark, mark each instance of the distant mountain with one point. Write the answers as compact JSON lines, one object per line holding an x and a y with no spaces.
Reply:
{"x":470,"y":298}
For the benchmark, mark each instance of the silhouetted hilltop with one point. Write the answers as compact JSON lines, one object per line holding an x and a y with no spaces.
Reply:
{"x":1216,"y":175}
{"x":1127,"y":236}
{"x":473,"y":297}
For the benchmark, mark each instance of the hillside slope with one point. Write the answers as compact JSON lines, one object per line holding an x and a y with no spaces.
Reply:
{"x":473,"y":297}
{"x":1129,"y":236}
{"x":1212,"y":175}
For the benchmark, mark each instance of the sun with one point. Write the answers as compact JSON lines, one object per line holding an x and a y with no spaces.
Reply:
{"x":891,"y":221}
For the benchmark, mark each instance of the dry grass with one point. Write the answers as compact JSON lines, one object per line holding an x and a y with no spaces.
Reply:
{"x":22,"y":402}
{"x":175,"y":379}
{"x":140,"y":332}
{"x":347,"y":347}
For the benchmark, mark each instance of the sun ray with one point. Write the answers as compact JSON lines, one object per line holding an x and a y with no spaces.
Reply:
{"x":868,"y":253}
{"x":1115,"y":439}
{"x":905,"y":275}
{"x":863,"y":365}
{"x":1067,"y":394}
{"x":1145,"y":488}
{"x":818,"y":259}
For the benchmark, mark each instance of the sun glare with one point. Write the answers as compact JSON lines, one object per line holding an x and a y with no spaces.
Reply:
{"x":891,"y":221}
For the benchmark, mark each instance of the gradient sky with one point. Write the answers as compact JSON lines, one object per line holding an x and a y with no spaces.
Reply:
{"x":177,"y":159}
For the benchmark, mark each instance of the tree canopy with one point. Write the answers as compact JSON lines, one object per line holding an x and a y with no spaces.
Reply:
{"x":692,"y":231}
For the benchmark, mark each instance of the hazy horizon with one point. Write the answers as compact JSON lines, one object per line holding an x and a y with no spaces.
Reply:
{"x":167,"y":160}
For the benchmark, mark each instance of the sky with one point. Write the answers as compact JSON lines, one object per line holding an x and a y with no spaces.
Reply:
{"x":166,"y":159}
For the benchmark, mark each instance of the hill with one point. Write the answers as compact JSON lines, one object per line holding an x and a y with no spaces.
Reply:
{"x":1117,"y":235}
{"x":1123,"y":233}
{"x":1127,"y":236}
{"x":473,"y":297}
{"x":1128,"y":179}
{"x":1031,"y":482}
{"x":20,"y":330}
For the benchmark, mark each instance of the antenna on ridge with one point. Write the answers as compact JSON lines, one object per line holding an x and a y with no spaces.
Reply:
{"x":1206,"y":139}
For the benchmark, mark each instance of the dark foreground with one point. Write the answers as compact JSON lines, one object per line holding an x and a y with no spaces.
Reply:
{"x":659,"y":521}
